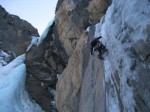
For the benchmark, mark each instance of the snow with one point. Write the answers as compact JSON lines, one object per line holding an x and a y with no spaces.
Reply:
{"x":4,"y":58}
{"x":98,"y":28}
{"x":113,"y":104}
{"x":52,"y":91}
{"x":13,"y":96}
{"x":33,"y":42}
{"x":38,"y":40}
{"x":5,"y":70}
{"x":53,"y":104}
{"x":88,"y":29}
{"x":58,"y":76}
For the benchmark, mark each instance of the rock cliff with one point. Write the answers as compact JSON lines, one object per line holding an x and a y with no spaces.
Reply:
{"x":120,"y":83}
{"x":15,"y":37}
{"x":73,"y":16}
{"x":44,"y":62}
{"x":15,"y":33}
{"x":81,"y":87}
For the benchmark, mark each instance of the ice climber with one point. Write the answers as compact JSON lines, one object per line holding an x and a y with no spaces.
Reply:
{"x":98,"y":46}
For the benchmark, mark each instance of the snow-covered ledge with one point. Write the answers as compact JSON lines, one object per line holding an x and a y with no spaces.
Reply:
{"x":13,"y":96}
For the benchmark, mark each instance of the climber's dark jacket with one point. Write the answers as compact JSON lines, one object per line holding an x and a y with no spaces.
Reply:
{"x":94,"y":43}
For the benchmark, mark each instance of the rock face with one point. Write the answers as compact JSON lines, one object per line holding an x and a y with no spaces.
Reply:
{"x":83,"y":77}
{"x":15,"y":33}
{"x":73,"y":16}
{"x":80,"y":88}
{"x":44,"y":62}
{"x":121,"y":82}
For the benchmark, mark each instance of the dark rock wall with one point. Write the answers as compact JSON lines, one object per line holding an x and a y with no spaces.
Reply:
{"x":15,"y":33}
{"x":44,"y":62}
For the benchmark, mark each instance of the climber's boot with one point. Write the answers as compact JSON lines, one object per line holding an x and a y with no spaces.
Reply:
{"x":100,"y":57}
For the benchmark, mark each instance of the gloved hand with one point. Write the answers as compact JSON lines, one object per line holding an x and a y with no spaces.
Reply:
{"x":99,"y":37}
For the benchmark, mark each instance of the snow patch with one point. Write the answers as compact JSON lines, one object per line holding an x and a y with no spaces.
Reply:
{"x":33,"y":42}
{"x":52,"y":91}
{"x":38,"y":40}
{"x":4,"y":58}
{"x":44,"y":34}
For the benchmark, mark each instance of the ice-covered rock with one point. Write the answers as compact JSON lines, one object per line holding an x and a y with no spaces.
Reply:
{"x":127,"y":66}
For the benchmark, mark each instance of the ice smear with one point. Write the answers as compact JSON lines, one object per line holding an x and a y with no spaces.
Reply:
{"x":38,"y":40}
{"x":117,"y":60}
